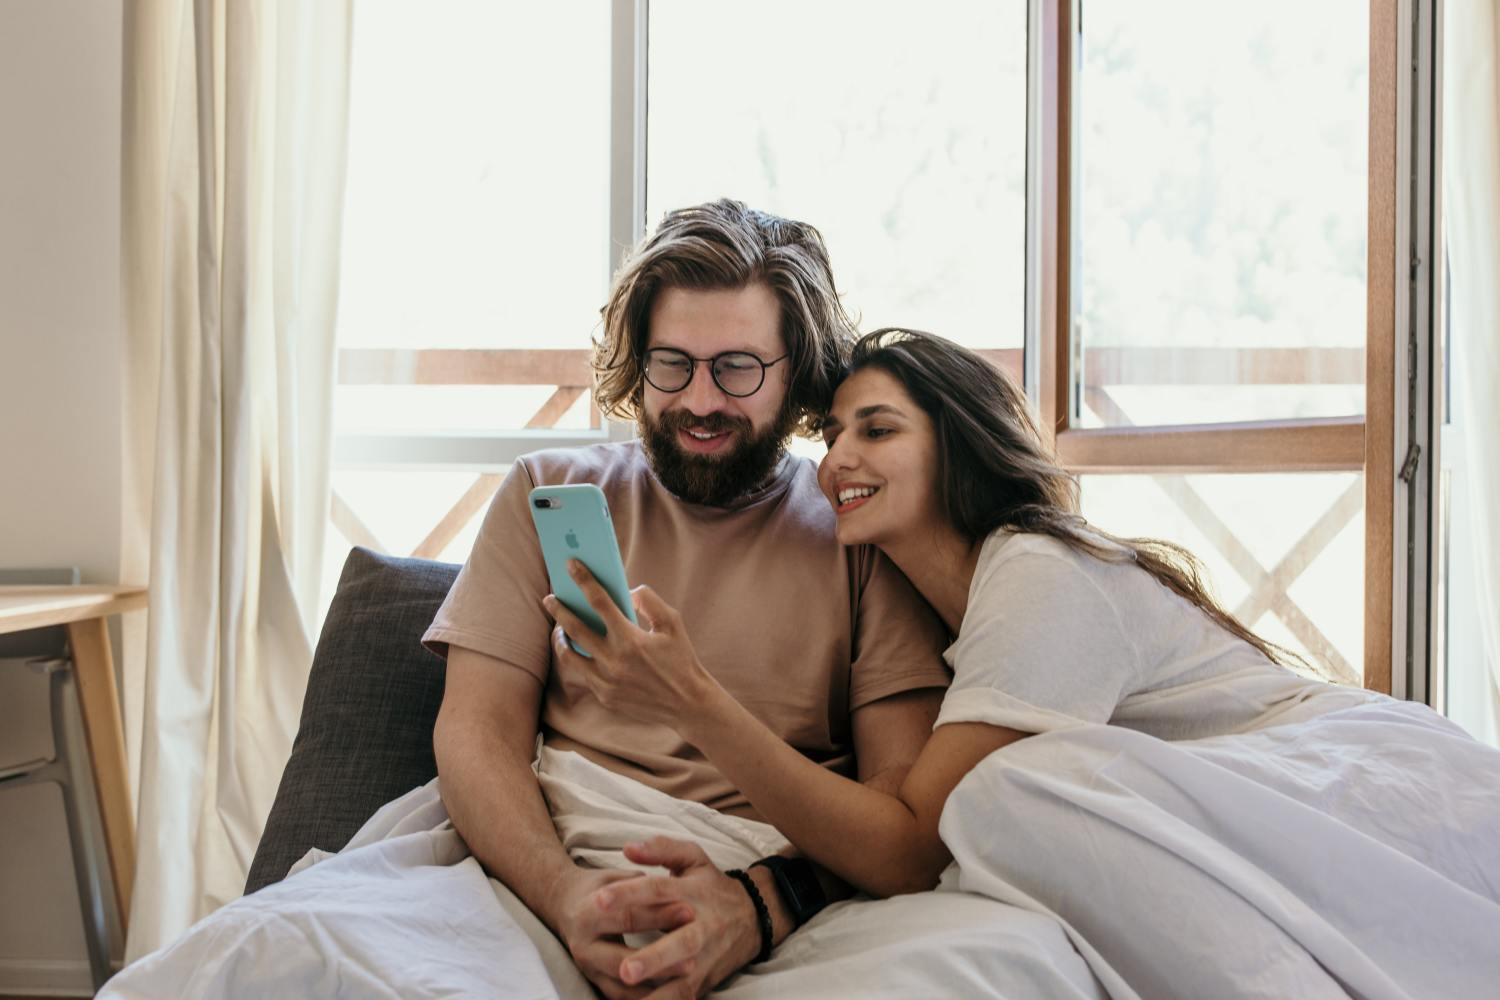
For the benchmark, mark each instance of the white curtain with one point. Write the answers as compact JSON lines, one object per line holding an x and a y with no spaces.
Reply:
{"x":1471,"y":193}
{"x":234,"y":150}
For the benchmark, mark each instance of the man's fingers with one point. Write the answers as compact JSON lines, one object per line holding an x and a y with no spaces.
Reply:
{"x":674,"y":855}
{"x":613,"y":989}
{"x":623,"y":919}
{"x":681,"y":970}
{"x":652,"y":890}
{"x":598,"y":597}
{"x":677,"y":989}
{"x":600,"y":964}
{"x":665,"y":953}
{"x":620,"y":874}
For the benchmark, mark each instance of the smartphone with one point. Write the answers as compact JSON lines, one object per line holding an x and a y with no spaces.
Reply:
{"x":572,"y":522}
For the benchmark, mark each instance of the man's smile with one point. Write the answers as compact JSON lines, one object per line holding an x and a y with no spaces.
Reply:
{"x":703,"y":442}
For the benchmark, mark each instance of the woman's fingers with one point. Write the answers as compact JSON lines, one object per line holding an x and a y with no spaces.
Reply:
{"x":648,"y":605}
{"x":582,"y":633}
{"x":643,"y":613}
{"x":571,"y":667}
{"x":598,"y":597}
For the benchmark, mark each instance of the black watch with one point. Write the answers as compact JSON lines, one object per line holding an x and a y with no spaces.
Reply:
{"x":798,"y":884}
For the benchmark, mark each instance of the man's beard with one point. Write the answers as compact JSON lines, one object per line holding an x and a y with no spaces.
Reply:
{"x":714,"y":480}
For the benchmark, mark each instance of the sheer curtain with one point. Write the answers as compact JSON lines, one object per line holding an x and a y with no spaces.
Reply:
{"x":234,"y":148}
{"x":1471,"y":193}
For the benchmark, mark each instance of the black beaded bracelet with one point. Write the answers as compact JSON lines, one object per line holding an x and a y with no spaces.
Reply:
{"x":762,"y":914}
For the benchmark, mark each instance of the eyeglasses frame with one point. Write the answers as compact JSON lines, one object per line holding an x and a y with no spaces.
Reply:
{"x":711,"y":362}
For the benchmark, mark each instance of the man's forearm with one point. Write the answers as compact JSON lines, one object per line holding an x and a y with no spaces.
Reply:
{"x":496,"y":805}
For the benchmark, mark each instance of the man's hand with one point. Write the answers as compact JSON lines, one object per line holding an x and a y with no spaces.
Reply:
{"x":692,"y":958}
{"x":593,"y":932}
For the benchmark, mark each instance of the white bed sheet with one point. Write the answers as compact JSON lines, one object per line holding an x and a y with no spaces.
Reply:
{"x":405,"y":911}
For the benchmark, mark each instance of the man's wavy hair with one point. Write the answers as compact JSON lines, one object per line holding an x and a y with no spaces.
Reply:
{"x":725,"y":245}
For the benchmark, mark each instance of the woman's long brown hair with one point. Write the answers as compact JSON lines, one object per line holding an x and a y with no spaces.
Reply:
{"x":996,"y":471}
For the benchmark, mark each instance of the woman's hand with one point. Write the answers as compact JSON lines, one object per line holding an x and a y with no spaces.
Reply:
{"x":649,"y":672}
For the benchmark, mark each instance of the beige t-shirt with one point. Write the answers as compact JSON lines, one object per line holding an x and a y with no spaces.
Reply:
{"x":799,"y":629}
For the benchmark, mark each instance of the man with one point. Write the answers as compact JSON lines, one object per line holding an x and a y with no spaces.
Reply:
{"x":722,"y":335}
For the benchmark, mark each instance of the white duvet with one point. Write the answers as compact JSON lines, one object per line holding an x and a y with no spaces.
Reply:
{"x":405,"y":912}
{"x":1352,"y":854}
{"x":1355,"y":853}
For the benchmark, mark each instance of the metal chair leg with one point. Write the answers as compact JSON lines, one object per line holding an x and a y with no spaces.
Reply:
{"x":80,"y":839}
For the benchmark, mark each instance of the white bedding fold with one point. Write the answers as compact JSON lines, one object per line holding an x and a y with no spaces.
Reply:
{"x":1354,"y":853}
{"x":405,"y":911}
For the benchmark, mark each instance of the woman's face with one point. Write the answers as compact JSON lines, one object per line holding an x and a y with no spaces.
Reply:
{"x":880,"y":472}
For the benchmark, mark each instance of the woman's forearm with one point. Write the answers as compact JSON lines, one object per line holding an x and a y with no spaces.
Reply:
{"x":872,"y":840}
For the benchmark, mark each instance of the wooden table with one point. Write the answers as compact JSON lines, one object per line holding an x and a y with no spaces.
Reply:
{"x":83,"y":611}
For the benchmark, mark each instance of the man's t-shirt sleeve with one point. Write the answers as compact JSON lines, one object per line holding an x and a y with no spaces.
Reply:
{"x":495,"y":606}
{"x":898,"y":639}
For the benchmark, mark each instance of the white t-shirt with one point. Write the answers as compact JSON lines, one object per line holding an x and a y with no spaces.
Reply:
{"x":1054,"y":638}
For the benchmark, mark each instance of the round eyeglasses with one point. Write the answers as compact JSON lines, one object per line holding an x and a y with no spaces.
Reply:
{"x":738,"y":373}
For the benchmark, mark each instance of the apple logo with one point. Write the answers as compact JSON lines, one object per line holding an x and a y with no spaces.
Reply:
{"x":572,"y":539}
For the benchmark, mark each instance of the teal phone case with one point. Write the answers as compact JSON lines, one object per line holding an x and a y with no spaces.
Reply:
{"x":572,"y":522}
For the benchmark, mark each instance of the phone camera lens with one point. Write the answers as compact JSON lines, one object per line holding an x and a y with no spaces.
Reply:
{"x":542,"y":503}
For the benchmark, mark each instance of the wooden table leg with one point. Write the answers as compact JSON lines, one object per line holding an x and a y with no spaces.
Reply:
{"x":95,"y":673}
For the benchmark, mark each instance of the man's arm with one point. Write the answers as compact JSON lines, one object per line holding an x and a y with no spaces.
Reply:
{"x":484,"y":741}
{"x":890,"y":733}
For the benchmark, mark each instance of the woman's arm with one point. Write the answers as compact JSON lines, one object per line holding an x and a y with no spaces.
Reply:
{"x":877,"y":842}
{"x":882,"y":844}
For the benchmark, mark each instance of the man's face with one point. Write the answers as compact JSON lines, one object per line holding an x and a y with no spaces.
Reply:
{"x":708,"y":446}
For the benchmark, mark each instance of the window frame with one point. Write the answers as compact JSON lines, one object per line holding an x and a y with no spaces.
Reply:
{"x":1365,"y":444}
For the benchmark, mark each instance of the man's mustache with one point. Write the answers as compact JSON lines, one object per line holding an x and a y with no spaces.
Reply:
{"x":681,"y":420}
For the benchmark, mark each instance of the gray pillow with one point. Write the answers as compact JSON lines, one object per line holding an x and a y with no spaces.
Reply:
{"x":372,"y":700}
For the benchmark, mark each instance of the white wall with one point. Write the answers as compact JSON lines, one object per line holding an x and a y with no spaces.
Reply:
{"x":60,"y":333}
{"x":59,"y":284}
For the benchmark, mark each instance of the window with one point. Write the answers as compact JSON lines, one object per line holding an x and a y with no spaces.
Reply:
{"x":1218,"y":264}
{"x":1282,"y":550}
{"x":1222,"y":233}
{"x":1180,"y":215}
{"x":465,"y":311}
{"x":899,"y":131}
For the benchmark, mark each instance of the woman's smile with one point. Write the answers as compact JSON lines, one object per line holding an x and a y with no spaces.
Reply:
{"x":852,"y":496}
{"x":882,"y":460}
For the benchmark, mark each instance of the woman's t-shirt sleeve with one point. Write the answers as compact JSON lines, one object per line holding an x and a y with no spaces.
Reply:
{"x":1042,"y":647}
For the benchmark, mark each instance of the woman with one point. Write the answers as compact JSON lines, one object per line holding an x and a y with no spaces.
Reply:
{"x":1202,"y":820}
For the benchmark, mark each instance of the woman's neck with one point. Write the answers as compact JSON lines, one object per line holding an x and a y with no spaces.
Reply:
{"x":940,"y":565}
